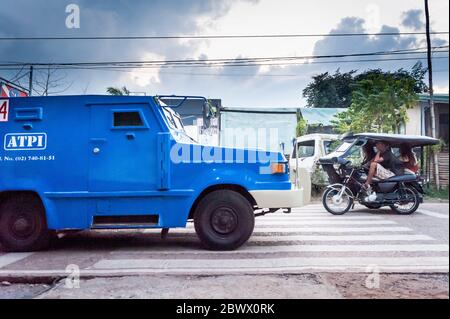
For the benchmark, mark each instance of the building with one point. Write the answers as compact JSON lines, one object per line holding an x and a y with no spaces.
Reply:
{"x":277,"y":124}
{"x":264,"y":128}
{"x":319,"y":120}
{"x":9,"y":89}
{"x":419,"y":119}
{"x":419,"y":123}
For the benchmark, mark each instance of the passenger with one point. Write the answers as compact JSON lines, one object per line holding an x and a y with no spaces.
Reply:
{"x":384,"y":165}
{"x":409,"y":160}
{"x":369,"y":154}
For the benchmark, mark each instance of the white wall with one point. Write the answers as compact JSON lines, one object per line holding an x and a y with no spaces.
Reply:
{"x":414,"y":123}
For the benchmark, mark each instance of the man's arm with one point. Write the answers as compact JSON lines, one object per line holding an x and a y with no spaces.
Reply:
{"x":378,"y":158}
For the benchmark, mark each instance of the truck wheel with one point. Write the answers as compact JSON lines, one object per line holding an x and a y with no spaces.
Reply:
{"x":224,"y":220}
{"x":22,"y":224}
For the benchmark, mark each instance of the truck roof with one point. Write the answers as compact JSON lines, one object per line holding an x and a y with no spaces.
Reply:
{"x":315,"y":136}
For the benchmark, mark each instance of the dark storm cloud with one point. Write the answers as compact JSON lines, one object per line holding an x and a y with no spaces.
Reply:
{"x":102,"y":18}
{"x":342,"y":45}
{"x":413,"y":19}
{"x":379,"y":44}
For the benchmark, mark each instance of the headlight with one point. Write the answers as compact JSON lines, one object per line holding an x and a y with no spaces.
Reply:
{"x":278,"y":168}
{"x":336,"y":166}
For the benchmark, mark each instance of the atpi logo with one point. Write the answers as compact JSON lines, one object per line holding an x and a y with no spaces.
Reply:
{"x":25,"y":142}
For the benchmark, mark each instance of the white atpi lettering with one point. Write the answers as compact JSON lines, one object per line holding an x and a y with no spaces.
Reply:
{"x":24,"y":141}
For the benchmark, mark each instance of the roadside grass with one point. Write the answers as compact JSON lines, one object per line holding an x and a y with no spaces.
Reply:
{"x":433,"y":192}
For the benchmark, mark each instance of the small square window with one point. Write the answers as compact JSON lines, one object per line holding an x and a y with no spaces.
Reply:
{"x":122,"y":119}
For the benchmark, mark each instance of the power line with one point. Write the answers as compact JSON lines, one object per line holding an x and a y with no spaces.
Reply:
{"x":133,"y":68}
{"x":224,"y":61}
{"x":234,"y":36}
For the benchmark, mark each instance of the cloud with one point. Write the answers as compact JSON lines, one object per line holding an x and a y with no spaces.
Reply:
{"x":413,"y":19}
{"x":343,"y":45}
{"x":104,"y":18}
{"x":240,"y":86}
{"x":379,"y":44}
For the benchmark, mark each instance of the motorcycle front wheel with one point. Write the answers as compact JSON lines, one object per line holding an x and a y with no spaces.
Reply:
{"x":334,"y":204}
{"x":408,"y":206}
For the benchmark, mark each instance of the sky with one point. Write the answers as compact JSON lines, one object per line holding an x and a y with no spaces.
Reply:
{"x":250,"y":86}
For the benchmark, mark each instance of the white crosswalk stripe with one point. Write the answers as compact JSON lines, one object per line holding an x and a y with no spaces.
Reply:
{"x":11,"y":258}
{"x":340,"y":238}
{"x":313,"y":229}
{"x":268,"y":263}
{"x":250,"y":250}
{"x":334,"y":221}
{"x":433,"y":214}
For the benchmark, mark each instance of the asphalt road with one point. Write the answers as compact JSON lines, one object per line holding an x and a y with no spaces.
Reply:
{"x":325,"y":256}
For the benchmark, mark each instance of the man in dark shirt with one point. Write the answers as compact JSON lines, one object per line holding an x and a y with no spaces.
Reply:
{"x":384,"y":165}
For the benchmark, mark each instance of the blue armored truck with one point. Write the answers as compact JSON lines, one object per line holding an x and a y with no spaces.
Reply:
{"x":125,"y":162}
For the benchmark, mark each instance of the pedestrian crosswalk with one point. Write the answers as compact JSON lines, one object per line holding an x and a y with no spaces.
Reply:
{"x":308,"y":239}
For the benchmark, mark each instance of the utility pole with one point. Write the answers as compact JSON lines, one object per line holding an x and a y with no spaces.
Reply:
{"x":30,"y":81}
{"x":430,"y":78}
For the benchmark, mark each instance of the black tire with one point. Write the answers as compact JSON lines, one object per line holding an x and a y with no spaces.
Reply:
{"x":224,"y":220}
{"x":413,"y":208}
{"x":23,"y":225}
{"x":327,"y":193}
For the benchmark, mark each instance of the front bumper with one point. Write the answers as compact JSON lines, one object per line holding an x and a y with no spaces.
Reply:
{"x":279,"y":198}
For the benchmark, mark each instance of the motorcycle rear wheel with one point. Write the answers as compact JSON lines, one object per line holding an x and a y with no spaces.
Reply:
{"x":407,"y":208}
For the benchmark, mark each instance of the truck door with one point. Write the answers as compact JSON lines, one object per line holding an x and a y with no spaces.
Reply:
{"x":122,"y":148}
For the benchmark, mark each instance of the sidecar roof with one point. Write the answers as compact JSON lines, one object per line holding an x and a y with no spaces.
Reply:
{"x":394,"y":139}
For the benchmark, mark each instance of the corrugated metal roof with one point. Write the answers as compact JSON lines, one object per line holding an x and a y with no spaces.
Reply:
{"x":259,"y":110}
{"x":439,"y":98}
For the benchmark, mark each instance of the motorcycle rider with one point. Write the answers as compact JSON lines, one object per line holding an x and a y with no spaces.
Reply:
{"x":384,"y":165}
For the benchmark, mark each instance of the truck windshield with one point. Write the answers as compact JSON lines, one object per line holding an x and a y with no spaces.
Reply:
{"x":305,"y":149}
{"x":344,"y":147}
{"x":173,"y":119}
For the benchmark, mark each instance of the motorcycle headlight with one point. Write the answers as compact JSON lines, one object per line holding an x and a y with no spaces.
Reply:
{"x":336,"y":166}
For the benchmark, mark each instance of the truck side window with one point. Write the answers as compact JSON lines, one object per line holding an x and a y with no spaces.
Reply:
{"x":128,"y":119}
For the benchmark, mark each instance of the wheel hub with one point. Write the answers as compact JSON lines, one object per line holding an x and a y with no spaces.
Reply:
{"x":337,"y":200}
{"x":22,"y":227}
{"x":224,"y":221}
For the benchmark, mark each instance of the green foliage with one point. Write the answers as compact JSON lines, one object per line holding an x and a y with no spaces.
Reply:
{"x":328,"y":90}
{"x":433,"y":192}
{"x":302,"y":127}
{"x":439,"y":147}
{"x":118,"y":91}
{"x":319,"y":177}
{"x":380,"y":101}
{"x":337,"y":90}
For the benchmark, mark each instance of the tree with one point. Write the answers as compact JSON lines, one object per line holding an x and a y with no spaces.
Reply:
{"x":380,"y":100}
{"x":46,"y":81}
{"x":118,"y":91}
{"x":336,"y":90}
{"x":302,"y":127}
{"x":328,"y":90}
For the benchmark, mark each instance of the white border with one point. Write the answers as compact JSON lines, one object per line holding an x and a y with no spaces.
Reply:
{"x":7,"y":110}
{"x":24,"y":149}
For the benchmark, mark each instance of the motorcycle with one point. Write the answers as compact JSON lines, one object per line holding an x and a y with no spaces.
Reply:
{"x":402,"y":193}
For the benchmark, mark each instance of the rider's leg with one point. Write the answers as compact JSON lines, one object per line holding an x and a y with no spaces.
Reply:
{"x":372,"y":171}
